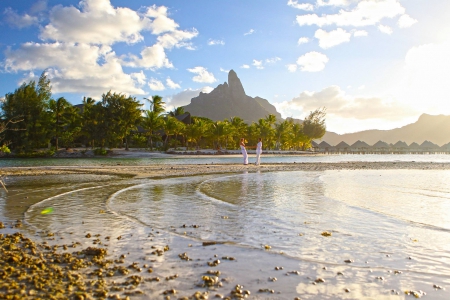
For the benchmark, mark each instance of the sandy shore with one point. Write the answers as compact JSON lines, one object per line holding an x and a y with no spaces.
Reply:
{"x":159,"y":171}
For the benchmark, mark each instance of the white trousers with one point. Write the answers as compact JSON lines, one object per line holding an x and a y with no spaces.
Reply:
{"x":244,"y":154}
{"x":258,"y":158}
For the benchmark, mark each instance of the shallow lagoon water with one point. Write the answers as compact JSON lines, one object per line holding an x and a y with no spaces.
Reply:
{"x":221,"y":159}
{"x":393,"y":224}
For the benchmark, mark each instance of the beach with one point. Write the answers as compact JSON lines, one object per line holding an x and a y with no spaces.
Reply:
{"x":182,"y":257}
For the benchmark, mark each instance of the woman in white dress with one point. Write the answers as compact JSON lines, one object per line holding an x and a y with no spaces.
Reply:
{"x":244,"y":151}
{"x":258,"y":152}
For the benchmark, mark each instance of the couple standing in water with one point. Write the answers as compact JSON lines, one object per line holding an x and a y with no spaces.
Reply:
{"x":258,"y":151}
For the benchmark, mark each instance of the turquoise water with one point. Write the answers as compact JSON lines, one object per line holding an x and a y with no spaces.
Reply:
{"x":393,"y":225}
{"x":128,"y":161}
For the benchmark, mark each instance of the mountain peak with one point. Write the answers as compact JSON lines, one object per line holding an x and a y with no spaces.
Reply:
{"x":236,"y":88}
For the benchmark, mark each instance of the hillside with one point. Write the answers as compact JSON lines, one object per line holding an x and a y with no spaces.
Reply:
{"x":229,"y":100}
{"x":435,"y":129}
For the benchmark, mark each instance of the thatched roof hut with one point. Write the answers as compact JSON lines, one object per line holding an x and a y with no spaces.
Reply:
{"x":359,"y":145}
{"x":427,"y":145}
{"x":325,"y":146}
{"x":342,"y":146}
{"x":381,"y":145}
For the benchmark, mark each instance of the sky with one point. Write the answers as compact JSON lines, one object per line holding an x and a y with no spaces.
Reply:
{"x":374,"y":64}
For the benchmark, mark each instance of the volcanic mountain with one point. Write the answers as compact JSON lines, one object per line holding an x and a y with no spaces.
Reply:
{"x":229,"y":100}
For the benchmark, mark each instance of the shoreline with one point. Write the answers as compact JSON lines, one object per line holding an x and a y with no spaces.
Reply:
{"x":172,"y":170}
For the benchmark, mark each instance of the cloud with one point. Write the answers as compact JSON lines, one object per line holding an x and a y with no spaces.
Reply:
{"x":225,"y":71}
{"x":245,"y":67}
{"x":75,"y":67}
{"x":406,"y":21}
{"x":332,"y":38}
{"x":202,"y":75}
{"x":303,"y":6}
{"x":258,"y":64}
{"x":334,"y":2}
{"x":385,"y":29}
{"x":367,"y":12}
{"x":172,"y":85}
{"x":339,"y":104}
{"x":292,"y":67}
{"x":184,"y":98}
{"x":38,"y":7}
{"x":156,"y":85}
{"x":19,"y":21}
{"x":153,"y":57}
{"x":161,"y":22}
{"x":272,"y":60}
{"x":302,"y":40}
{"x":215,"y":42}
{"x":139,"y":77}
{"x":251,"y":31}
{"x":358,"y":33}
{"x":97,"y":22}
{"x":423,"y":83}
{"x":312,"y":62}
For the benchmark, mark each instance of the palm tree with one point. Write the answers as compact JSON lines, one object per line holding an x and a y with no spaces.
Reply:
{"x":57,"y":109}
{"x":177,"y":111}
{"x":151,"y":122}
{"x":170,"y":127}
{"x":156,"y":104}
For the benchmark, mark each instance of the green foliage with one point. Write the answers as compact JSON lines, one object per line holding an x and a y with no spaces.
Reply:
{"x":314,"y":125}
{"x":100,"y":151}
{"x":5,"y":149}
{"x":28,"y":102}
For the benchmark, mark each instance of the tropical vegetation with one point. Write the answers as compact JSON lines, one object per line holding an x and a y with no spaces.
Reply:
{"x":31,"y":119}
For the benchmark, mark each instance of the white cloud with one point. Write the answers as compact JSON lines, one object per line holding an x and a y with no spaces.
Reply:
{"x":75,"y":67}
{"x":406,"y":21}
{"x":97,"y":22}
{"x":334,"y":2}
{"x":272,"y":60}
{"x":302,"y":40}
{"x":139,"y":77}
{"x":258,"y":64}
{"x":184,"y":98}
{"x":367,"y":12}
{"x":161,"y":23}
{"x":153,"y":57}
{"x":172,"y":85}
{"x":362,"y":87}
{"x":156,"y":85}
{"x":423,"y":83}
{"x":19,"y":21}
{"x":358,"y":33}
{"x":302,"y":6}
{"x":215,"y":42}
{"x":292,"y":67}
{"x":385,"y":29}
{"x":251,"y":31}
{"x":177,"y":39}
{"x":202,"y":75}
{"x":312,"y":62}
{"x":225,"y":71}
{"x":245,"y":67}
{"x":332,"y":38}
{"x":339,"y":104}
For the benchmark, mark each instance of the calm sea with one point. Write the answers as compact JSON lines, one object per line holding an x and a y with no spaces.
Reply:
{"x":391,"y":226}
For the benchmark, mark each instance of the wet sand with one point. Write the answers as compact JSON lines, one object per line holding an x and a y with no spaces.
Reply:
{"x":184,"y":268}
{"x":160,"y":171}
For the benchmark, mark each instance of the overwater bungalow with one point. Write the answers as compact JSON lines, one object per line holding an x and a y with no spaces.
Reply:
{"x":342,"y":147}
{"x":314,"y":146}
{"x":414,"y":148}
{"x":360,"y":147}
{"x":429,"y":147}
{"x":381,"y":147}
{"x":400,"y":147}
{"x":445,"y":148}
{"x":325,"y":147}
